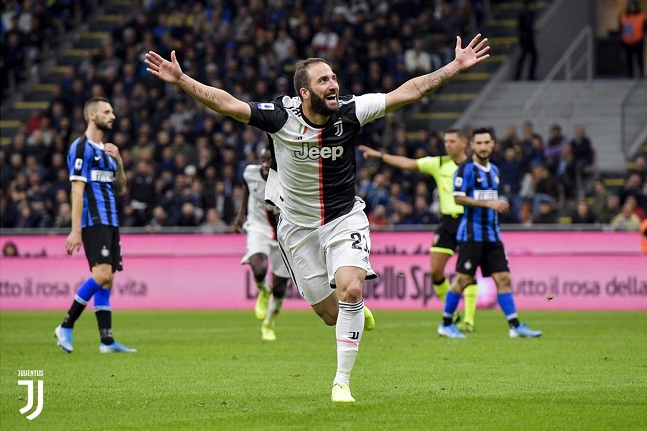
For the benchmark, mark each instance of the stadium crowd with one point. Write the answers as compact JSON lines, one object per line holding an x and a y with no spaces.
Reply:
{"x":184,"y":163}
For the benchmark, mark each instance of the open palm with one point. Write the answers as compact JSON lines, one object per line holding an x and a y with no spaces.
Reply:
{"x":473,"y":53}
{"x":167,"y":71}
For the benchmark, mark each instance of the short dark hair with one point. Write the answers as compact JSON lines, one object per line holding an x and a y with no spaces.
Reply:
{"x":90,"y":104}
{"x":459,"y":132}
{"x":484,"y":130}
{"x":301,"y":73}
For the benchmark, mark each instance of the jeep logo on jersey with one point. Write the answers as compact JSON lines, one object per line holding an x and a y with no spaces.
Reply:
{"x":308,"y":152}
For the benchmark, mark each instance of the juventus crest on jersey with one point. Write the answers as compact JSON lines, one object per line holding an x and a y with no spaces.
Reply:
{"x":312,"y":179}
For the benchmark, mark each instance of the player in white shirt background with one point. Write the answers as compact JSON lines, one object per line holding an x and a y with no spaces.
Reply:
{"x":258,"y":219}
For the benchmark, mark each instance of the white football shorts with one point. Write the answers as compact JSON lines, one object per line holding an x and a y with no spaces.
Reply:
{"x":259,"y":240}
{"x":314,"y":255}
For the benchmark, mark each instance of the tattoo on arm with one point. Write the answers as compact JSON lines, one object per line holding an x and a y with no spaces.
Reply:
{"x":120,"y":180}
{"x":211,"y":96}
{"x":420,"y":92}
{"x":434,"y":80}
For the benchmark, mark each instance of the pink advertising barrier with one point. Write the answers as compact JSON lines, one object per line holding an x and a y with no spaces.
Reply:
{"x":550,"y":270}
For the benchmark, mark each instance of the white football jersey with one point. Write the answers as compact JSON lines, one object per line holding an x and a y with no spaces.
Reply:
{"x":312,"y":179}
{"x":256,"y":206}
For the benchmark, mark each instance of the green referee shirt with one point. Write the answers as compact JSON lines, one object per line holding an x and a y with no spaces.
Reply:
{"x":442,"y":169}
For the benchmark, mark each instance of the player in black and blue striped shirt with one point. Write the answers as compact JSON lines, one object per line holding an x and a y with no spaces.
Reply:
{"x":476,"y":185}
{"x":97,"y":176}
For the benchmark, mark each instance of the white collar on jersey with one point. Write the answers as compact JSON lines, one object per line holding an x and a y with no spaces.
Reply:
{"x":100,"y":145}
{"x":484,"y":168}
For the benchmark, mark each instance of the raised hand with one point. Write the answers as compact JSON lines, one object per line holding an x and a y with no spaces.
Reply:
{"x":113,"y":151}
{"x":473,"y":53}
{"x":167,"y":71}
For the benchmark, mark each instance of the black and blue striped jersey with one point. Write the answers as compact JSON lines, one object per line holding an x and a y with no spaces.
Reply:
{"x":480,"y":183}
{"x":88,"y":163}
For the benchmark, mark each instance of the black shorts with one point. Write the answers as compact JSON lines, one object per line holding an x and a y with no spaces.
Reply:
{"x":490,"y":256}
{"x":445,"y":235}
{"x":102,"y":244}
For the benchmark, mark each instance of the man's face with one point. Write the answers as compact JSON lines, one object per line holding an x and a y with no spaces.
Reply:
{"x":103,"y":116}
{"x":454,"y":145}
{"x":324,"y":89}
{"x":482,"y":146}
{"x":266,"y":162}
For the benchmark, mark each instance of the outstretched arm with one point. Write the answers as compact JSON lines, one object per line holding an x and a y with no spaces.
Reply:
{"x":242,"y":211}
{"x":496,"y":205}
{"x":390,"y":159}
{"x":213,"y":98}
{"x":418,"y":87}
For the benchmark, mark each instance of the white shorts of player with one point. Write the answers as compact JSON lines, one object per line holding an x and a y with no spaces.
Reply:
{"x":314,"y":255}
{"x":259,"y":240}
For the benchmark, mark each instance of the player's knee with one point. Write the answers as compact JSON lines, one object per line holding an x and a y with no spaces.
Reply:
{"x":462,"y":281}
{"x":502,"y":281}
{"x":352,"y":293}
{"x":103,"y":276}
{"x":437,"y":275}
{"x":259,"y":272}
{"x":279,"y":288}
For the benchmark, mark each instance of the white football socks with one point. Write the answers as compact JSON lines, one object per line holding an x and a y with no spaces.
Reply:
{"x":273,"y":310}
{"x":263,"y":285}
{"x":350,"y":325}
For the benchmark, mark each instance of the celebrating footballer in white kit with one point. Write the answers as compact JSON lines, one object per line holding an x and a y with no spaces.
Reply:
{"x":323,"y":231}
{"x":258,"y":219}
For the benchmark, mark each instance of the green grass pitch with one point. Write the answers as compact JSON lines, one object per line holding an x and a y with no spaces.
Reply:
{"x":209,"y":370}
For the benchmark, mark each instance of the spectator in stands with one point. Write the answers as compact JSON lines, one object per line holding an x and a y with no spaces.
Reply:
{"x":627,"y":219}
{"x":510,"y":178}
{"x":545,"y":189}
{"x":188,"y":216}
{"x":552,"y":151}
{"x":546,"y":212}
{"x":610,"y":209}
{"x":421,"y":214}
{"x":640,"y":168}
{"x":15,"y":62}
{"x":212,"y":223}
{"x":64,"y":217}
{"x":583,"y":213}
{"x":511,"y":139}
{"x":583,"y":154}
{"x":526,"y":28}
{"x":528,"y":135}
{"x":566,"y":173}
{"x":142,"y":192}
{"x":26,"y":219}
{"x":225,"y":203}
{"x":416,"y":60}
{"x":378,"y":193}
{"x":632,"y":186}
{"x":633,"y":24}
{"x":160,"y":220}
{"x":599,"y":198}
